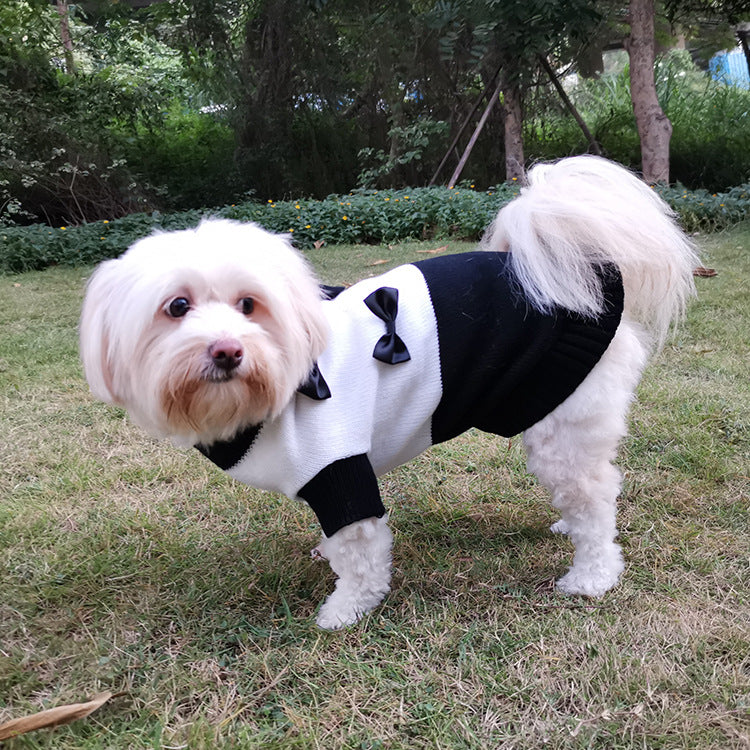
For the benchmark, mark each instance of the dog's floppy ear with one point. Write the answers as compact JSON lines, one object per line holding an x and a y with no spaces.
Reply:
{"x":305,"y":299}
{"x":301,"y":312}
{"x":95,"y":334}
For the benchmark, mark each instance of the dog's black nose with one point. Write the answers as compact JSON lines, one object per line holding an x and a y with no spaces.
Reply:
{"x":226,"y":354}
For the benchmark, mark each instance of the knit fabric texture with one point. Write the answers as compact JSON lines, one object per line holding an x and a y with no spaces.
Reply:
{"x":478,"y":356}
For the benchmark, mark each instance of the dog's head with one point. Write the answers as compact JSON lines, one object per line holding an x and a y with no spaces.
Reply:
{"x":199,"y":333}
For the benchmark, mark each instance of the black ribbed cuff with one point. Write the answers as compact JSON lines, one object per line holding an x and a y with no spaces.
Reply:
{"x":344,"y":492}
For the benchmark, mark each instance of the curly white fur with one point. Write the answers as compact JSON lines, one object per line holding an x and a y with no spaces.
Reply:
{"x":130,"y":347}
{"x":574,"y":217}
{"x":583,"y":212}
{"x":360,"y":555}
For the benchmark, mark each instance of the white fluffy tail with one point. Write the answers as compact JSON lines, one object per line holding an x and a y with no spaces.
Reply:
{"x":585,"y":212}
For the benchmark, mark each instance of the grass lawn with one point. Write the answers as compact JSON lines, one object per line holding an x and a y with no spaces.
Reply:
{"x":131,"y":566}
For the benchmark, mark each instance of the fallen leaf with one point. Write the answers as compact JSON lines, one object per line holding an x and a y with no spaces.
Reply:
{"x":705,"y":272}
{"x":318,"y":244}
{"x":16,"y":285}
{"x":378,"y":262}
{"x":53,"y":717}
{"x":436,"y":250}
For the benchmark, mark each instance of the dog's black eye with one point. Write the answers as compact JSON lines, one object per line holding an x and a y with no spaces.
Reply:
{"x":178,"y":307}
{"x":247,"y":305}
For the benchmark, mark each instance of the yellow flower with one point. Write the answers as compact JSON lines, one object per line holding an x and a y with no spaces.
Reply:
{"x":308,"y":226}
{"x":296,"y":205}
{"x":105,"y":221}
{"x":344,"y":218}
{"x":386,"y":199}
{"x":290,"y":229}
{"x":63,"y":228}
{"x":514,"y":179}
{"x":270,"y":200}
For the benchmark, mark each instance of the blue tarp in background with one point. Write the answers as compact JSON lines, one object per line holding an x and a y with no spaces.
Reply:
{"x":730,"y":68}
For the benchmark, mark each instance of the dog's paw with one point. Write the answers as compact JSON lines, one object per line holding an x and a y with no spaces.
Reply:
{"x":337,"y":613}
{"x":347,"y":605}
{"x":591,"y":580}
{"x":560,"y":527}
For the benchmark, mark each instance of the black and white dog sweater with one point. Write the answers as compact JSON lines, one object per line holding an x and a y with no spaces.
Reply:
{"x":415,"y":357}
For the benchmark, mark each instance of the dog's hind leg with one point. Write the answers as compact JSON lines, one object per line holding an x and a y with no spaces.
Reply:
{"x":360,"y":555}
{"x":571,"y":452}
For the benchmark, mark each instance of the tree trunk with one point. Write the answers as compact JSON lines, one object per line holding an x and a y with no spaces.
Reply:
{"x":590,"y":60}
{"x":743,"y":34}
{"x":64,"y":13}
{"x":654,"y":127}
{"x":513,"y":122}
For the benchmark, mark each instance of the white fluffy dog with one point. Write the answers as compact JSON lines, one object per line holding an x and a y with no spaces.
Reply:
{"x":221,"y":337}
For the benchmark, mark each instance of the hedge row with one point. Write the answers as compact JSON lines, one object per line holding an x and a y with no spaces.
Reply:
{"x":373,"y":217}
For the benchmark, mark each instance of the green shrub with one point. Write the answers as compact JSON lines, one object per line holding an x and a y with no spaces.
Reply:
{"x":379,"y":216}
{"x":376,"y":217}
{"x":710,"y":144}
{"x":701,"y":210}
{"x":189,"y":156}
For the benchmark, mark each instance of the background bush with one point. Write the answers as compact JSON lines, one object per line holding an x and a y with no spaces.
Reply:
{"x":188,"y":156}
{"x":135,"y":130}
{"x":710,"y":145}
{"x":374,"y":216}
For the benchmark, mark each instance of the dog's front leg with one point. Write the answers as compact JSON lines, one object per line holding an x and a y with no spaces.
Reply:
{"x":360,"y":555}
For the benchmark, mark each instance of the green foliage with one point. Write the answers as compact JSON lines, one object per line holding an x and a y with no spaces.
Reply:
{"x":365,"y":216}
{"x":189,"y":156}
{"x":412,"y":140}
{"x":701,"y":210}
{"x":606,"y":108}
{"x":314,"y":153}
{"x":64,"y":138}
{"x":382,"y":216}
{"x":57,"y":151}
{"x":710,"y":145}
{"x":513,"y":31}
{"x":308,"y":99}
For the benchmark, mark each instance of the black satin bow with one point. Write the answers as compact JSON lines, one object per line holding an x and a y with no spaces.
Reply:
{"x":315,"y":387}
{"x":389,"y":348}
